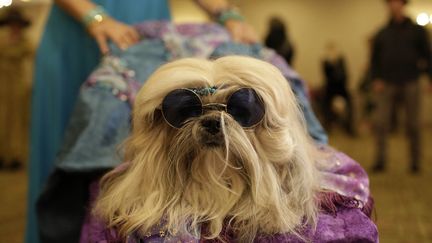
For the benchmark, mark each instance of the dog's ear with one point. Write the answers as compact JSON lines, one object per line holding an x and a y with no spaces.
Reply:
{"x":157,"y":117}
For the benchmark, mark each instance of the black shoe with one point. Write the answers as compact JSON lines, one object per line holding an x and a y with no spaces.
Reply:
{"x":415,"y":169}
{"x":352,"y":133}
{"x":15,"y":165}
{"x":378,"y":167}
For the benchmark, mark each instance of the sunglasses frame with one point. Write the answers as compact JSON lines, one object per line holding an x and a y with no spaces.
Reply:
{"x":220,"y":105}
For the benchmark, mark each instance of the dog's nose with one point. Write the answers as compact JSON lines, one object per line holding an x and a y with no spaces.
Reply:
{"x":212,"y":125}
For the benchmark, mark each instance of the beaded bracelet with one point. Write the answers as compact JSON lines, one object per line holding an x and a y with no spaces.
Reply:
{"x":96,"y":15}
{"x":228,"y":14}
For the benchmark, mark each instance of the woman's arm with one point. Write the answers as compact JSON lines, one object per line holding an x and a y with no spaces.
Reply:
{"x":99,"y":24}
{"x":226,"y":15}
{"x":213,"y":7}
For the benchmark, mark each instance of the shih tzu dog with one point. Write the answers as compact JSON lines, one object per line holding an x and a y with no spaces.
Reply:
{"x":216,"y":145}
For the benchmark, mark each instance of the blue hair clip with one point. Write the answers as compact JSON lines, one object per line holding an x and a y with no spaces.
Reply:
{"x":205,"y":91}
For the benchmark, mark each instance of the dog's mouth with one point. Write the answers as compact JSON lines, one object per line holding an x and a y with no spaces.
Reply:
{"x":212,"y":141}
{"x":212,"y":144}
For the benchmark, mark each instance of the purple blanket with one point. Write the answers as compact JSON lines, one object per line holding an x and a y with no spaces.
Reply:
{"x":346,"y":206}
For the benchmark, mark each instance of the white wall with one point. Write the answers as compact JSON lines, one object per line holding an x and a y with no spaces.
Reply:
{"x":312,"y":23}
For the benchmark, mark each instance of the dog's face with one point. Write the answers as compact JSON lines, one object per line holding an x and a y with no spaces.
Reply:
{"x":226,"y":108}
{"x":206,"y":113}
{"x":210,"y":120}
{"x":215,"y":141}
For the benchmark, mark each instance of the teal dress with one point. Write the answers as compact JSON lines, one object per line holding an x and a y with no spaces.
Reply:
{"x":66,"y":56}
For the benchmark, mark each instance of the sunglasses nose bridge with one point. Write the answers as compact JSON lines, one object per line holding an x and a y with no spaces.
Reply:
{"x":214,"y":107}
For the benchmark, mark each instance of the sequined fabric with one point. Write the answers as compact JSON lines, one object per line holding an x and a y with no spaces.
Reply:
{"x":344,"y":215}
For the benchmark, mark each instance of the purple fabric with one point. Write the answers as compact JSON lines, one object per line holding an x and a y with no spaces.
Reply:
{"x":345,"y":204}
{"x":346,"y":225}
{"x":343,"y":175}
{"x":94,"y":230}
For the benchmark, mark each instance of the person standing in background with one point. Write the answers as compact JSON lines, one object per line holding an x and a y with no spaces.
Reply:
{"x":333,"y":66}
{"x":14,"y":91}
{"x":401,"y":51}
{"x":77,"y":33}
{"x":278,"y":39}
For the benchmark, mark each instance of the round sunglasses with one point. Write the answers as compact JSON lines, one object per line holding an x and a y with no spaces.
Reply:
{"x":244,"y":105}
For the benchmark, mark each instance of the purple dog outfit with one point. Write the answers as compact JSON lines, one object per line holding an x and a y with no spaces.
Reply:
{"x":346,"y":207}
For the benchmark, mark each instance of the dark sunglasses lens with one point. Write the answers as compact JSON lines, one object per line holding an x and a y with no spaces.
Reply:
{"x":180,"y":105}
{"x":246,"y":107}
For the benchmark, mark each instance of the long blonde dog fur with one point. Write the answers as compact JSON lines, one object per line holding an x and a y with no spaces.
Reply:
{"x":262,"y":180}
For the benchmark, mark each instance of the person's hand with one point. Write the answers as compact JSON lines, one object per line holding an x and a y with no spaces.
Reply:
{"x":121,"y":34}
{"x":241,"y":32}
{"x":378,"y":86}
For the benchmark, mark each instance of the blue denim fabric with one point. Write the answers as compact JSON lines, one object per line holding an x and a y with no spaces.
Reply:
{"x":100,"y":121}
{"x":315,"y":129}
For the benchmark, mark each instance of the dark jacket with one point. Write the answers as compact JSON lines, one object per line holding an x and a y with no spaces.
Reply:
{"x":335,"y":72}
{"x":278,"y":41}
{"x":401,"y":51}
